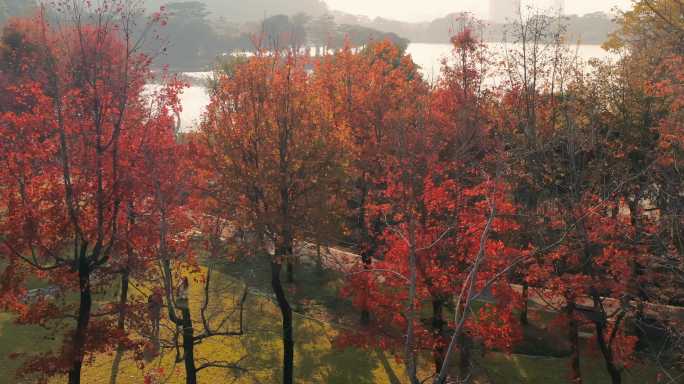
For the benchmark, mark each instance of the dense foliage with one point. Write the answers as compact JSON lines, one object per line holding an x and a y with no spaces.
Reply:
{"x":533,"y":178}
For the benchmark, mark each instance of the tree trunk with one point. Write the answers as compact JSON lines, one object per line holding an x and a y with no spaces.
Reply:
{"x":636,"y":326}
{"x":84,"y":310}
{"x":635,"y":288}
{"x":613,"y":371}
{"x":289,"y":257}
{"x":437,"y":332}
{"x":573,"y":339}
{"x":365,"y":313}
{"x":389,"y":371}
{"x":464,"y":357}
{"x":290,"y":270}
{"x":286,"y":313}
{"x":525,"y":303}
{"x":188,"y":347}
{"x":410,"y":347}
{"x":123,"y":299}
{"x":362,"y":239}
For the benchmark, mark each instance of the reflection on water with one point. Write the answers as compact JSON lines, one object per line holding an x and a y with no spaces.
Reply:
{"x":194,"y":100}
{"x":428,"y":56}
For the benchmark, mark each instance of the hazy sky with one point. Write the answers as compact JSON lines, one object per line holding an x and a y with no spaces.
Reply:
{"x":422,"y":10}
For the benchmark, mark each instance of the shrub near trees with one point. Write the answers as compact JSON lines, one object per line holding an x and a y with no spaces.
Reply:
{"x":558,"y":179}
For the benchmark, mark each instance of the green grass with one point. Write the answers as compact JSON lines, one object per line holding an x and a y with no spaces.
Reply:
{"x":19,"y":339}
{"x":500,"y":368}
{"x":319,"y":308}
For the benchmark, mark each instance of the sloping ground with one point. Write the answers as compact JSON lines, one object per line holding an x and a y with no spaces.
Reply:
{"x":317,"y":323}
{"x":341,"y":260}
{"x":316,"y":359}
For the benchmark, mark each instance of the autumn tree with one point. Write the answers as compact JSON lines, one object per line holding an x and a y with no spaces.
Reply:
{"x":356,"y":88}
{"x":69,"y":143}
{"x":588,"y":169}
{"x":269,"y":150}
{"x":650,"y":41}
{"x":433,"y":198}
{"x":462,"y":106}
{"x":176,"y":229}
{"x":532,"y":75}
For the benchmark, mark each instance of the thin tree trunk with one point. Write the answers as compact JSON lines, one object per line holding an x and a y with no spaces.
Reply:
{"x":525,"y":304}
{"x":289,"y":257}
{"x":362,"y":239}
{"x":410,"y":347}
{"x":84,"y":311}
{"x":437,"y":332}
{"x":286,"y":313}
{"x":464,"y":357}
{"x":391,"y":375}
{"x":573,"y":339}
{"x":185,"y":321}
{"x":613,"y":371}
{"x":467,"y":295}
{"x":635,"y":287}
{"x":290,"y":270}
{"x":365,"y":317}
{"x":123,"y":300}
{"x":188,"y":347}
{"x":365,"y":313}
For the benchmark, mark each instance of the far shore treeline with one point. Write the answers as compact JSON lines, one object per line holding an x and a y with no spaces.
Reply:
{"x":338,"y":218}
{"x":197,"y":32}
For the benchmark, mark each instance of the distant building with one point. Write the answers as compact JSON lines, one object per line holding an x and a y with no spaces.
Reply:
{"x":501,"y":11}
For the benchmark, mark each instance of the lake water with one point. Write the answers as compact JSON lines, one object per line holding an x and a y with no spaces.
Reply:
{"x":428,"y":56}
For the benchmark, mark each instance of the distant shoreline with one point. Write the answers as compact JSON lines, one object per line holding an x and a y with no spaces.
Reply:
{"x":181,"y":70}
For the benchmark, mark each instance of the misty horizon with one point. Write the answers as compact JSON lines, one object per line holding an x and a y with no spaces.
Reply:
{"x":432,"y":9}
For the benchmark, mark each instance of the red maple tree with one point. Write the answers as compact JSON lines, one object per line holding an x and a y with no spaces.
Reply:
{"x":71,"y":135}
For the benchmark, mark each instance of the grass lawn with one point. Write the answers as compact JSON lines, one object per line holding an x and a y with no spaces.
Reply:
{"x":317,"y":360}
{"x":19,"y":339}
{"x":501,"y":368}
